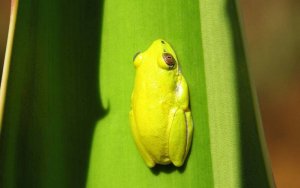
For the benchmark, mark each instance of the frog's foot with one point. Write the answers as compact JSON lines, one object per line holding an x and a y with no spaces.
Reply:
{"x":147,"y":158}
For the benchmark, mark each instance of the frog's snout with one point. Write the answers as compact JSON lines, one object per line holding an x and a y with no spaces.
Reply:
{"x":169,"y":59}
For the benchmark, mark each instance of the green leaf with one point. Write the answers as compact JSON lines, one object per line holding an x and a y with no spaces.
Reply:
{"x":65,"y":121}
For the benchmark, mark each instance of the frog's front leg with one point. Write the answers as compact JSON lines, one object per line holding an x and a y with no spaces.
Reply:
{"x":147,"y":158}
{"x":182,"y":93}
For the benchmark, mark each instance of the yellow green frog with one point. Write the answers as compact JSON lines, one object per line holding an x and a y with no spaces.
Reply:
{"x":161,"y":120}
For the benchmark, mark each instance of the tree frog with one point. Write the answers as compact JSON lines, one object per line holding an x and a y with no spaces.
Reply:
{"x":161,"y":120}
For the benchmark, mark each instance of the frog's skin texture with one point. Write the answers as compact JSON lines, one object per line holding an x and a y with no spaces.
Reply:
{"x":161,"y":120}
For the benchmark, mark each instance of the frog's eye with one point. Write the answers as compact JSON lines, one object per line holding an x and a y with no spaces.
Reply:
{"x":169,"y":59}
{"x":137,"y":59}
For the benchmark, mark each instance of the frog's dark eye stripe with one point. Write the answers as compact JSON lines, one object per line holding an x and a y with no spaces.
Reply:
{"x":135,"y":55}
{"x":169,"y":59}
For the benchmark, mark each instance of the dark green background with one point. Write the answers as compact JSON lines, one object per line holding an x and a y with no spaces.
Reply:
{"x":70,"y":57}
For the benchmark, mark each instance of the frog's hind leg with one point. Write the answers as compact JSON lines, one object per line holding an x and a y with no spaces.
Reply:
{"x":147,"y":158}
{"x":178,"y":138}
{"x":189,"y":123}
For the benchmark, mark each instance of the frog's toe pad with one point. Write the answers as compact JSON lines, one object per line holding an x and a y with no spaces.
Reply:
{"x":149,"y":163}
{"x":178,"y":163}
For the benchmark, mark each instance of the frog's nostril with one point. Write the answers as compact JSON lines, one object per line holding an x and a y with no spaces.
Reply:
{"x":163,"y":42}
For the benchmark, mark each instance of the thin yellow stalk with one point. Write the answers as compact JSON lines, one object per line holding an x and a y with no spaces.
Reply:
{"x":5,"y":73}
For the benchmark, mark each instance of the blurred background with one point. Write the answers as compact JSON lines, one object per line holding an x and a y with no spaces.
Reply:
{"x":272,"y":39}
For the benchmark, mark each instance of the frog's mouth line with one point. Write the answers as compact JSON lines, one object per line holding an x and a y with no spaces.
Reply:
{"x":171,"y":66}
